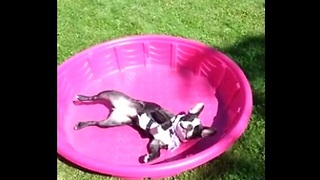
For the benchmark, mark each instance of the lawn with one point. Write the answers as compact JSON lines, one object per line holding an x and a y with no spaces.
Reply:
{"x":234,"y":27}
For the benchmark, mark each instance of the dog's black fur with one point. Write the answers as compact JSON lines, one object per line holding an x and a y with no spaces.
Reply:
{"x":127,"y":110}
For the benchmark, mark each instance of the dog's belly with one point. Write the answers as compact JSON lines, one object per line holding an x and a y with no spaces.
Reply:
{"x":125,"y":107}
{"x":125,"y":111}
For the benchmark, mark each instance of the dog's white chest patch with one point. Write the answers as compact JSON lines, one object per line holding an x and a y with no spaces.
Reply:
{"x":167,"y":137}
{"x":174,"y":143}
{"x":170,"y":136}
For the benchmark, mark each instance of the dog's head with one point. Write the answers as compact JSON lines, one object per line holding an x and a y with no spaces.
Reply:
{"x":190,"y":126}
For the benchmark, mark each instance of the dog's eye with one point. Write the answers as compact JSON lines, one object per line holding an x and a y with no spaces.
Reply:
{"x":189,"y":127}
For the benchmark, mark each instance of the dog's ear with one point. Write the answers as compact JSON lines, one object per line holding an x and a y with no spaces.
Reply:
{"x":207,"y":131}
{"x":197,"y":109}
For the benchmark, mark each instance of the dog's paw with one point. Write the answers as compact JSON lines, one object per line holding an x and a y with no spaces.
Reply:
{"x":78,"y":126}
{"x":82,"y":98}
{"x":146,"y":158}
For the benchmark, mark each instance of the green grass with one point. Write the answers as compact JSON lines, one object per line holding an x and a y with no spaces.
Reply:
{"x":234,"y":27}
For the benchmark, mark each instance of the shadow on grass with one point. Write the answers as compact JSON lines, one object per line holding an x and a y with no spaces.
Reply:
{"x":250,"y":56}
{"x":229,"y":167}
{"x":241,"y":163}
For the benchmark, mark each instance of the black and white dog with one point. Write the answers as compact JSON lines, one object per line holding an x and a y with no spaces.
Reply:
{"x":168,"y":130}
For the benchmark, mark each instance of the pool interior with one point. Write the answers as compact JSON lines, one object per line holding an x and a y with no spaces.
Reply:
{"x":175,"y":76}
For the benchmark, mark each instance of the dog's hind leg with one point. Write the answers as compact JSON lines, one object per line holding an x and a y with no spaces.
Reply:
{"x":114,"y":119}
{"x":110,"y":95}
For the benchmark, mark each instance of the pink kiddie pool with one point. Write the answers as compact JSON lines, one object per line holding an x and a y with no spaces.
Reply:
{"x":174,"y":72}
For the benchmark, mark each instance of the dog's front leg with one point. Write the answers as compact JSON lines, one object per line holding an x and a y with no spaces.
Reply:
{"x":154,"y":151}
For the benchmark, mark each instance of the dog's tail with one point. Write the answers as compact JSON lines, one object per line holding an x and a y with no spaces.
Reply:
{"x":87,"y":98}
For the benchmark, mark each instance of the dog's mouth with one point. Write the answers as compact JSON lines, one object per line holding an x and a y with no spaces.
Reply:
{"x":181,"y":132}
